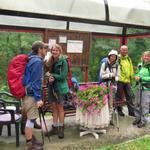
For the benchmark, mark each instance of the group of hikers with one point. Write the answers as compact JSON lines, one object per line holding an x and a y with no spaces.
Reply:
{"x":56,"y":69}
{"x":116,"y":72}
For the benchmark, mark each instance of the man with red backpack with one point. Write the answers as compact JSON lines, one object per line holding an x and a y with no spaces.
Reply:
{"x":32,"y":80}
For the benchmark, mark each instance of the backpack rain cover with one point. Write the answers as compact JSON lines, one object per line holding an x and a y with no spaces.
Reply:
{"x":15,"y":75}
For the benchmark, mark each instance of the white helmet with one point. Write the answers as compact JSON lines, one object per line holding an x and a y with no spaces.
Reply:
{"x":113,"y":52}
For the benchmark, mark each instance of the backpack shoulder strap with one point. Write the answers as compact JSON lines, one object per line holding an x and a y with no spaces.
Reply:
{"x":129,"y":59}
{"x":107,"y":65}
{"x":117,"y":67}
{"x":148,"y":67}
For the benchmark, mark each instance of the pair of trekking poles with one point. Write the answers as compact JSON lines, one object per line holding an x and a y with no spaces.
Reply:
{"x":41,"y":116}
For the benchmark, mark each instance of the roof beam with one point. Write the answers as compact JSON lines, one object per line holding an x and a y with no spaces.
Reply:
{"x":73,"y":19}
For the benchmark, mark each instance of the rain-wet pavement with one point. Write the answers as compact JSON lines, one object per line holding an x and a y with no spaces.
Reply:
{"x":73,"y":141}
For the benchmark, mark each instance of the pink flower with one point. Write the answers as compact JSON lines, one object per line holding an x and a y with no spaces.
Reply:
{"x":92,"y":98}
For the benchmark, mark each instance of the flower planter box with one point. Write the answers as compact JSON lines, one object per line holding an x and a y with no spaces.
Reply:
{"x":96,"y":120}
{"x":93,"y":113}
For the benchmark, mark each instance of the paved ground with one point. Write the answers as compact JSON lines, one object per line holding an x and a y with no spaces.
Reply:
{"x":73,"y":141}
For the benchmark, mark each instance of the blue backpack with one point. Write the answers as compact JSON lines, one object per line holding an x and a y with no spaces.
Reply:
{"x":104,"y":60}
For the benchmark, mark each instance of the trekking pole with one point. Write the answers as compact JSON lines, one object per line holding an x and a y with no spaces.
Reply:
{"x":110,"y":103}
{"x":41,"y":112}
{"x":41,"y":126}
{"x":140,"y":102}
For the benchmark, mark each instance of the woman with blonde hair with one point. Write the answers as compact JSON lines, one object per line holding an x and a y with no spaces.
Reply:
{"x":142,"y":77}
{"x":58,"y":88}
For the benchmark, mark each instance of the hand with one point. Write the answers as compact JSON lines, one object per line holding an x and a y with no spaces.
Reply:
{"x":51,"y":79}
{"x":137,"y":78}
{"x":116,"y":78}
{"x":111,"y":75}
{"x":47,"y":74}
{"x":39,"y":103}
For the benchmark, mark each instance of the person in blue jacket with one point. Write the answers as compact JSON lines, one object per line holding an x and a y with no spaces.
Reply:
{"x":75,"y":83}
{"x":104,"y":60}
{"x":32,"y":80}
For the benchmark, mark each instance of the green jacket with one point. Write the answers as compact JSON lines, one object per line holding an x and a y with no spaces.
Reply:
{"x":126,"y":69}
{"x":143,"y":71}
{"x":59,"y":72}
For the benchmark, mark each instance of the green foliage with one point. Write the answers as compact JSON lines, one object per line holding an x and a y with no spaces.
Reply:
{"x":78,"y":74}
{"x":11,"y":44}
{"x":137,"y":45}
{"x":136,"y":48}
{"x":92,"y":98}
{"x":99,"y":50}
{"x":101,"y":47}
{"x":140,"y":144}
{"x":135,"y":31}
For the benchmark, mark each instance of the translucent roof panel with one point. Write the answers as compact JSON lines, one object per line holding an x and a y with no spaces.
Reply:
{"x":95,"y":28}
{"x":31,"y":22}
{"x":135,"y":13}
{"x":89,"y":9}
{"x":130,"y":11}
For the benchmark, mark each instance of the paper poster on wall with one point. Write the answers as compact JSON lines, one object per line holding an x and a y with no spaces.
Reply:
{"x":51,"y":42}
{"x":62,"y":39}
{"x":74,"y":46}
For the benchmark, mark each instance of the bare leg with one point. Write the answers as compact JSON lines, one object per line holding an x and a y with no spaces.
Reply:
{"x":61,"y":121}
{"x":28,"y":133}
{"x":55,"y":113}
{"x":61,"y":113}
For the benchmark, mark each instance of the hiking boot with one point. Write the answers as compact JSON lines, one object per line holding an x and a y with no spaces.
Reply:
{"x":31,"y":146}
{"x":36,"y":125}
{"x":53,"y":131}
{"x":61,"y":132}
{"x":141,"y":124}
{"x":111,"y":123}
{"x":136,"y":121}
{"x":120,"y":113}
{"x":36,"y":141}
{"x":132,"y":114}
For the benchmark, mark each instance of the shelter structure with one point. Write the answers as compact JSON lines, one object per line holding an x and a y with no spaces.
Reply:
{"x":74,"y":22}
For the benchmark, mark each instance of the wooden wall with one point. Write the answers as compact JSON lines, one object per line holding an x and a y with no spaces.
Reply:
{"x":77,"y":59}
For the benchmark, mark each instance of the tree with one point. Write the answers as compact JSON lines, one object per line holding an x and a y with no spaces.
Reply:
{"x":11,"y":44}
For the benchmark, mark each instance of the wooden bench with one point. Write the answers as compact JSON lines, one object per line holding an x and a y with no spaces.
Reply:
{"x":69,"y":110}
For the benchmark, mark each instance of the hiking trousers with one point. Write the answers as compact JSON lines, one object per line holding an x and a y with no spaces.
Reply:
{"x":142,"y":106}
{"x":126,"y":88}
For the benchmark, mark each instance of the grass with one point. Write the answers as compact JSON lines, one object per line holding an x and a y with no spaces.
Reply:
{"x":137,"y":144}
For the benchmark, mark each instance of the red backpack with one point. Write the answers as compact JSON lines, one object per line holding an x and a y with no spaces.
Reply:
{"x":15,"y":74}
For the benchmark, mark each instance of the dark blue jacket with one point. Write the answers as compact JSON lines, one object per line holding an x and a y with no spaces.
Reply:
{"x":33,"y":77}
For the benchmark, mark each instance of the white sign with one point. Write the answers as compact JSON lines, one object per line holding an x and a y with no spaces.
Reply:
{"x":74,"y":46}
{"x":62,"y":39}
{"x":51,"y":42}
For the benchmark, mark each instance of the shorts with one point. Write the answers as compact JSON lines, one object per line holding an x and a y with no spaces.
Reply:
{"x":54,"y":97}
{"x":30,"y":107}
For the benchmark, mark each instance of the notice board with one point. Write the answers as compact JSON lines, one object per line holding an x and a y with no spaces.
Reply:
{"x":74,"y":43}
